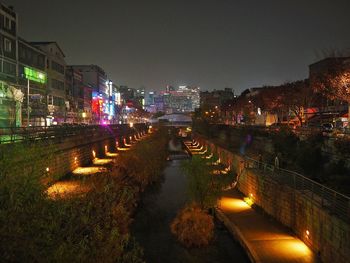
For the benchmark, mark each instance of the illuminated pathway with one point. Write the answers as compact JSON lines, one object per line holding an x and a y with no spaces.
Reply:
{"x":264,"y":239}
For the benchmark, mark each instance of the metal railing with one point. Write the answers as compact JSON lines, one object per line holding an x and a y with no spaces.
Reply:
{"x":271,"y":130}
{"x":19,"y":134}
{"x":320,"y":195}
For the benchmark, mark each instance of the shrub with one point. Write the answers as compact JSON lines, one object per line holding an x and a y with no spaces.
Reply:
{"x":35,"y":228}
{"x":193,"y":227}
{"x":144,"y":163}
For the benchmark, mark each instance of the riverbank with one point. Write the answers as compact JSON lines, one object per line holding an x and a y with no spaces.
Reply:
{"x":86,"y":216}
{"x":151,"y":228}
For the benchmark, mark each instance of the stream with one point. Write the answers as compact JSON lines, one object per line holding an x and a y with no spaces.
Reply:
{"x":151,"y":228}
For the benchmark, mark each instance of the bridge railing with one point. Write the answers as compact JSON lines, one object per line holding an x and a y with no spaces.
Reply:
{"x":320,"y":195}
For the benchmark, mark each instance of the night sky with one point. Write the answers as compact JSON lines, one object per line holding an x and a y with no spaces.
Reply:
{"x":213,"y":44}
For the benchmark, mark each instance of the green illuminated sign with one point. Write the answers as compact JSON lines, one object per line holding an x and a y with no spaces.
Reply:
{"x":35,"y":75}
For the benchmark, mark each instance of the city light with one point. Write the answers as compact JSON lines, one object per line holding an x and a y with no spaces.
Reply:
{"x":35,"y":75}
{"x":266,"y":160}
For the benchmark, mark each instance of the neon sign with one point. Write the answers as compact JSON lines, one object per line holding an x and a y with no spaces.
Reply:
{"x":35,"y":75}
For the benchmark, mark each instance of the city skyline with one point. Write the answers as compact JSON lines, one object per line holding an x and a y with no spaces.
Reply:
{"x":209,"y":45}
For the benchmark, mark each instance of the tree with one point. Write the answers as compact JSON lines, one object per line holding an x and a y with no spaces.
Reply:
{"x":203,"y":189}
{"x":296,"y":97}
{"x":334,"y":81}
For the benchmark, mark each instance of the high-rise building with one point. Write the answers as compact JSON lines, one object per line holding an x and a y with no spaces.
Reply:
{"x":127,"y":94}
{"x":182,"y":100}
{"x":96,"y":78}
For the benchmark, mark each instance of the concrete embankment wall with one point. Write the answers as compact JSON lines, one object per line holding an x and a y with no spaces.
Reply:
{"x":68,"y":153}
{"x":328,"y":235}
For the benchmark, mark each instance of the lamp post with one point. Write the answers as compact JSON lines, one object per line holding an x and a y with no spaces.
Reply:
{"x":28,"y":88}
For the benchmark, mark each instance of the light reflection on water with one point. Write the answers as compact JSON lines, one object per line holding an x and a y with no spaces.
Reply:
{"x":151,"y":226}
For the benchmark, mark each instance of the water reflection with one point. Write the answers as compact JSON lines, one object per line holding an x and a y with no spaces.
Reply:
{"x":158,"y":208}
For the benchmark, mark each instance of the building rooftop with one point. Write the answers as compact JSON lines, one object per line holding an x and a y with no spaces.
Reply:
{"x":45,"y":43}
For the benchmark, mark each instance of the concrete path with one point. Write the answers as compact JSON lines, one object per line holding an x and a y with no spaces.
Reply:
{"x":264,"y":239}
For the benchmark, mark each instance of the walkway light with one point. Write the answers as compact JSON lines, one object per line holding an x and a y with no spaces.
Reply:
{"x":248,"y":201}
{"x":307,"y":233}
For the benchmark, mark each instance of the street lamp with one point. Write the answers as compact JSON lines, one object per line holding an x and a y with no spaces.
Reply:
{"x":28,"y":88}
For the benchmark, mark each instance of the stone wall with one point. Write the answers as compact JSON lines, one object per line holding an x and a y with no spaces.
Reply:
{"x":325,"y":233}
{"x":70,"y":152}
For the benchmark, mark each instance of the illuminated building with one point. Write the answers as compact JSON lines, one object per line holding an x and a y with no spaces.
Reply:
{"x":56,"y":80}
{"x":95,"y":78}
{"x":10,"y":96}
{"x":183,"y":99}
{"x":79,"y":96}
{"x":32,"y":68}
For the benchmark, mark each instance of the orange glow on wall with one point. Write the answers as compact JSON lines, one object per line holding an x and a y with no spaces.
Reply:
{"x":233,"y":204}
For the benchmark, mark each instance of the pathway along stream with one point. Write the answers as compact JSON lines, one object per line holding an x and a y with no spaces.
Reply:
{"x":158,"y":208}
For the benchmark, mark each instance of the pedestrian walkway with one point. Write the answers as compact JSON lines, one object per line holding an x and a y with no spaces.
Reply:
{"x":264,"y":239}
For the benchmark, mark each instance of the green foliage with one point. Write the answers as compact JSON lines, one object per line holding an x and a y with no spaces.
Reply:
{"x":35,"y":228}
{"x":22,"y":171}
{"x":144,"y":163}
{"x":203,"y":187}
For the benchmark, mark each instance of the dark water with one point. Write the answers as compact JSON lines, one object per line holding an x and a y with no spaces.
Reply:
{"x":151,"y":227}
